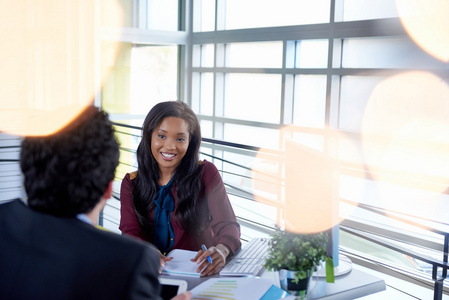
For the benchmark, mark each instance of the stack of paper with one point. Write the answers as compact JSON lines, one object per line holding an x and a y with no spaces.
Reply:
{"x":244,"y":288}
{"x":181,"y":264}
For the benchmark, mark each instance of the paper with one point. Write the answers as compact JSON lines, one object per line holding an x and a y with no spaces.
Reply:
{"x":181,"y":264}
{"x":237,"y":289}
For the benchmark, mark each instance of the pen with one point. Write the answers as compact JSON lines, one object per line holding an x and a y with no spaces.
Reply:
{"x":205,"y":249}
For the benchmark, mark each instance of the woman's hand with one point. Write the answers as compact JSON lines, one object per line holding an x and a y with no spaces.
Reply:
{"x":163,"y":259}
{"x":218,"y":255}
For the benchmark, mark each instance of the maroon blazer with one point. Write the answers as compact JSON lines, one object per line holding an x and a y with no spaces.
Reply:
{"x":223,"y":228}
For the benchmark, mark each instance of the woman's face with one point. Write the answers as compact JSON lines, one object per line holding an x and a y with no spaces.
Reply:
{"x":169,"y":144}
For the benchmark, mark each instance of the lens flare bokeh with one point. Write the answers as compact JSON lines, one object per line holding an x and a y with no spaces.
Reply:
{"x":427,"y":23}
{"x":48,"y":69}
{"x":308,"y":201}
{"x":405,"y":133}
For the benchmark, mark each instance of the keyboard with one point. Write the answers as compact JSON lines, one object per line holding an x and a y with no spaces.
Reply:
{"x":249,"y":260}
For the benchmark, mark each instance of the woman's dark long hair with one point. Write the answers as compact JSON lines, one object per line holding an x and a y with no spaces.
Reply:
{"x":187,"y":181}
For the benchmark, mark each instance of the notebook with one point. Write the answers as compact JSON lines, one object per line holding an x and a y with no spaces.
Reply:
{"x":181,"y":264}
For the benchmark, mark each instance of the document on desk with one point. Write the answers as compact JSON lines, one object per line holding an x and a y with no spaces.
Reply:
{"x":181,"y":264}
{"x":238,"y":288}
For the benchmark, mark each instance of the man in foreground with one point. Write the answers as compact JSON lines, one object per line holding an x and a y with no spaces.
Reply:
{"x":50,"y":249}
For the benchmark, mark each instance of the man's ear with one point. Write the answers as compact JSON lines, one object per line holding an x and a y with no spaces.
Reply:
{"x":108,"y":192}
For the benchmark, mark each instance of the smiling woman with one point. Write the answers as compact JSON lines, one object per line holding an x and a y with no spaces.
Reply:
{"x":174,"y":200}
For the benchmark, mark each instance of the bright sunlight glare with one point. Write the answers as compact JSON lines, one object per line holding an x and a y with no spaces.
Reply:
{"x":405,"y":133}
{"x":310,"y":201}
{"x":311,"y":189}
{"x":426,"y":22}
{"x":48,"y":70}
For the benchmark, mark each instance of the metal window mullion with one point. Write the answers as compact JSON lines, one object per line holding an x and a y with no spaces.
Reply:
{"x":140,"y":13}
{"x":330,"y":56}
{"x":283,"y":85}
{"x":366,"y":29}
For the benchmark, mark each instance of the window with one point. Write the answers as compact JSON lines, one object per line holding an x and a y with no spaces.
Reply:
{"x":307,"y":54}
{"x":309,"y":103}
{"x":142,"y":14}
{"x":266,"y":13}
{"x":309,"y":76}
{"x":368,"y":9}
{"x":146,"y":47}
{"x":254,"y":55}
{"x":385,"y":53}
{"x":160,"y":15}
{"x":247,"y":95}
{"x":142,"y":76}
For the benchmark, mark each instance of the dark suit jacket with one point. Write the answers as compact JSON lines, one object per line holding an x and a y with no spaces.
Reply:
{"x":46,"y":257}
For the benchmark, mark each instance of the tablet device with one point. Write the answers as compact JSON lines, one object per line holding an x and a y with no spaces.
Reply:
{"x":172,"y":287}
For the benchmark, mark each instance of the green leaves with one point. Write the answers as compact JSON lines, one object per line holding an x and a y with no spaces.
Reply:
{"x":296,"y":252}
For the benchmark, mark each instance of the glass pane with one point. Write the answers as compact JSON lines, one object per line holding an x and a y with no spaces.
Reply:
{"x":368,"y":9}
{"x":236,"y":175}
{"x":115,"y":97}
{"x":262,"y":180}
{"x":128,"y":139}
{"x":203,"y":55}
{"x":162,"y":15}
{"x":311,"y":54}
{"x":253,"y":97}
{"x":206,"y":128}
{"x":405,"y":199}
{"x":196,"y":55}
{"x":267,"y":13}
{"x":205,"y":154}
{"x":255,"y":211}
{"x":355,"y":93}
{"x":254,"y":55}
{"x":310,"y":140}
{"x":153,"y":76}
{"x":207,"y":55}
{"x":309,"y":101}
{"x":253,"y":136}
{"x":196,"y":92}
{"x":113,"y":11}
{"x":384,"y":53}
{"x":203,"y":15}
{"x":141,"y":77}
{"x":207,"y":94}
{"x":349,"y":150}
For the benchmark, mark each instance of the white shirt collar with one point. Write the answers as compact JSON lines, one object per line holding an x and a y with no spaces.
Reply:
{"x":84,"y":218}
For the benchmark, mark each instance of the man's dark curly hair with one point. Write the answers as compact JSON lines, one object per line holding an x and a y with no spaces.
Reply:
{"x":67,"y":173}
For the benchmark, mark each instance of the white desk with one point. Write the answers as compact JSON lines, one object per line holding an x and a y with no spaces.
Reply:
{"x":352,"y":285}
{"x":355,"y":284}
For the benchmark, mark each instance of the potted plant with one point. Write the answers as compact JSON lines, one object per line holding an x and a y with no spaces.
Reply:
{"x":296,"y":257}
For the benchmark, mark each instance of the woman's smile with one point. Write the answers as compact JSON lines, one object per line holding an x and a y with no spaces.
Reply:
{"x":168,"y":156}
